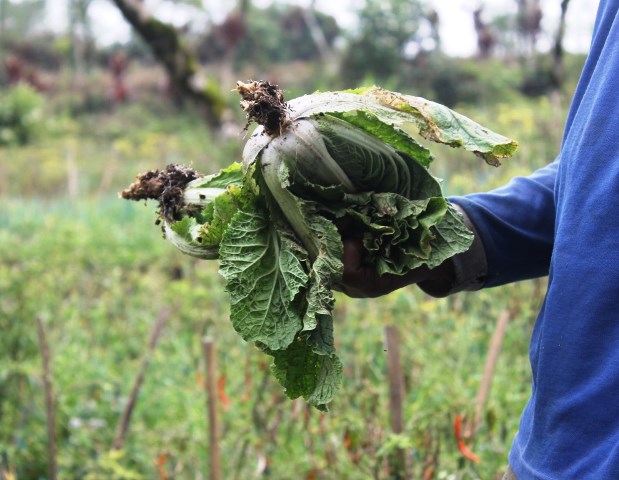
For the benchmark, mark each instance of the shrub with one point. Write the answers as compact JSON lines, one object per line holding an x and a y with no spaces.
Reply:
{"x":21,"y":115}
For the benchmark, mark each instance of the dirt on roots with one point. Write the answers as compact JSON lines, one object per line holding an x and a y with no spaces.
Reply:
{"x":165,"y":186}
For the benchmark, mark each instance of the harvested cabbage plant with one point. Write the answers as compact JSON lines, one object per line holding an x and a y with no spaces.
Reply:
{"x":271,"y":221}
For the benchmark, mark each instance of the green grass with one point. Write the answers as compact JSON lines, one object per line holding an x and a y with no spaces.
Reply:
{"x":96,"y":271}
{"x":98,"y":274}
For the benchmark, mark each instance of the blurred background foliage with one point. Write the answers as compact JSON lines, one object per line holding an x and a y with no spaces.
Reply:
{"x":79,"y":118}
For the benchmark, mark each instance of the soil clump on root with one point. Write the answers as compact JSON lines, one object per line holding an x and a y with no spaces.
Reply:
{"x":165,"y":186}
{"x":264,"y":104}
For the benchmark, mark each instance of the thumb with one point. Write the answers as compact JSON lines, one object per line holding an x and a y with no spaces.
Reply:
{"x":352,"y":256}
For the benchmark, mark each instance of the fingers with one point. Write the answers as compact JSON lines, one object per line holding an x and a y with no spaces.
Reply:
{"x":353,"y":274}
{"x":361,"y":281}
{"x":353,"y":250}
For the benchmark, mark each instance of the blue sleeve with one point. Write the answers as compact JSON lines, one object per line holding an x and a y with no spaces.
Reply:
{"x":516,"y":226}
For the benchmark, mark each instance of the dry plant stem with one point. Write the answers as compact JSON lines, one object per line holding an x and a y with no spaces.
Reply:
{"x":432,"y":446}
{"x":486,"y":381}
{"x":73,"y":179}
{"x":108,"y":175}
{"x":210,"y":361}
{"x":258,"y":418}
{"x":241,"y":460}
{"x":400,"y":469}
{"x":50,"y":410}
{"x":125,"y":419}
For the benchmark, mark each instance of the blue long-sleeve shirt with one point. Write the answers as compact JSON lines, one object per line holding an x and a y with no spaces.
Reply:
{"x":564,"y":221}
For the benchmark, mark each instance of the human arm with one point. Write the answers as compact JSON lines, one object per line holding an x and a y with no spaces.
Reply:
{"x":515,"y":224}
{"x":513,"y":228}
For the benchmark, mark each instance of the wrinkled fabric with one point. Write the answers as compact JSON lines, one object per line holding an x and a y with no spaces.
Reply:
{"x":563,"y":221}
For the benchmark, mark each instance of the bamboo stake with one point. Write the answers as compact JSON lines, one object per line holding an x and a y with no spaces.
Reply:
{"x":210,"y":360}
{"x":125,"y":419}
{"x":486,"y":381}
{"x":50,"y":410}
{"x":108,"y":174}
{"x":72,"y":175}
{"x":401,"y":470}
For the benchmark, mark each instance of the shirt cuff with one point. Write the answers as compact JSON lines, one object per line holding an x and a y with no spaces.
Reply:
{"x":468,"y":268}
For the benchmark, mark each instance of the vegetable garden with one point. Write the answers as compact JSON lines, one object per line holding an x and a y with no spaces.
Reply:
{"x":125,"y":316}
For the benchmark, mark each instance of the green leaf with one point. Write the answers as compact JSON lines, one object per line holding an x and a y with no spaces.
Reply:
{"x":411,"y":114}
{"x":233,"y":174}
{"x":451,"y":237}
{"x":325,"y":271}
{"x":185,"y":227}
{"x":218,"y":215}
{"x":304,"y":373}
{"x":440,"y":124}
{"x":397,"y":138}
{"x":369,"y":164}
{"x":183,"y":235}
{"x":264,"y":271}
{"x":308,"y":366}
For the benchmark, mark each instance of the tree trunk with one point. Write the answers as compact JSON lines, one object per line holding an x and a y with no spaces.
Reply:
{"x":244,"y":6}
{"x":2,"y":29}
{"x":75,"y":54}
{"x":557,"y":51}
{"x":2,"y":19}
{"x":318,"y":36}
{"x":178,"y":61}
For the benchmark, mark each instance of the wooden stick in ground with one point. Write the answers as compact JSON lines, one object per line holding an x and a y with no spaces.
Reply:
{"x":486,"y":381}
{"x":400,"y":468}
{"x":50,"y":410}
{"x":125,"y":419}
{"x":210,"y":360}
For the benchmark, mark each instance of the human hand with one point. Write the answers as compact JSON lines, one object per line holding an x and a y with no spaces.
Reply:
{"x":362,"y":281}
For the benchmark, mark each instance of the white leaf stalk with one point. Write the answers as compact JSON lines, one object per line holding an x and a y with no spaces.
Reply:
{"x":200,"y":196}
{"x":194,"y":197}
{"x":182,"y":195}
{"x":300,"y":144}
{"x":190,"y":248}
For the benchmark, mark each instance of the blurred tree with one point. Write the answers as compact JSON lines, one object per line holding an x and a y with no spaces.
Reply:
{"x":3,"y":5}
{"x":40,"y":50}
{"x":20,"y":18}
{"x":545,"y":73}
{"x":276,"y":34}
{"x":389,"y":35}
{"x":529,"y":20}
{"x":506,"y":35}
{"x":80,"y":32}
{"x":186,"y":81}
{"x":486,"y":37}
{"x":558,"y":74}
{"x":308,"y":33}
{"x":231,"y":32}
{"x":323,"y":46}
{"x":434,"y":22}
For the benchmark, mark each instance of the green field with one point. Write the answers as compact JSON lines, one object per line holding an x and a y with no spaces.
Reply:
{"x":95,"y":270}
